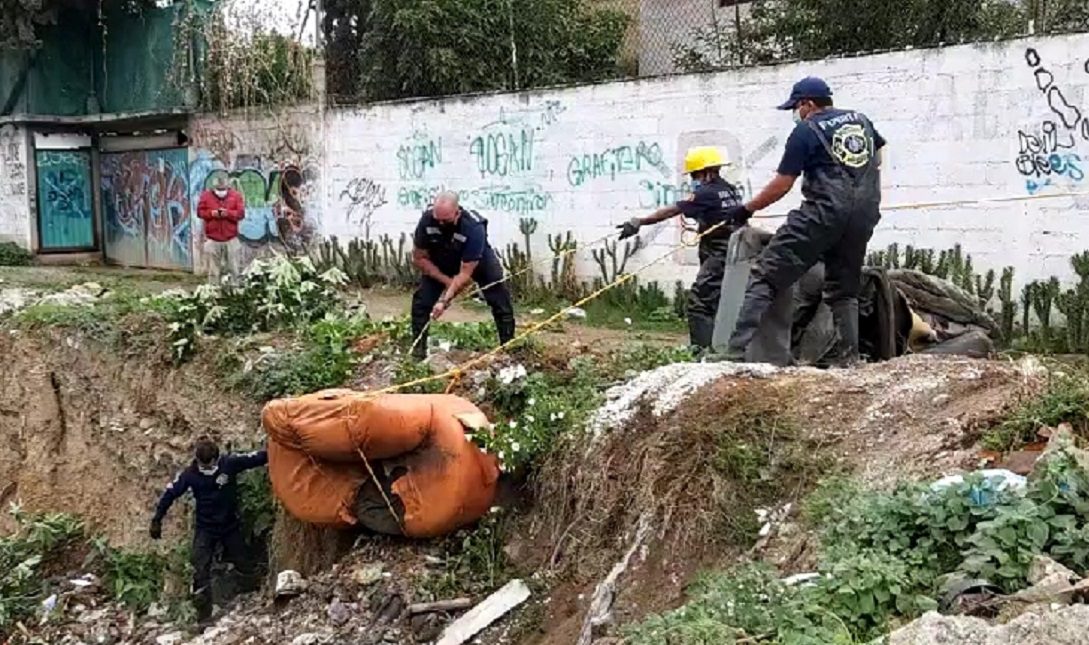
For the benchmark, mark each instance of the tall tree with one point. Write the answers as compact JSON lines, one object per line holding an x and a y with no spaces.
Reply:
{"x":433,"y":47}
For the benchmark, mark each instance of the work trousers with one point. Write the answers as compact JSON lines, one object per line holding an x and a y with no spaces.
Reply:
{"x":497,"y":296}
{"x":235,"y":551}
{"x":706,"y":290}
{"x":222,"y":258}
{"x":811,"y":234}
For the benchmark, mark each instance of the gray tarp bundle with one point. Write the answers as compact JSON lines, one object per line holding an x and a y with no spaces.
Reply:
{"x":886,"y":303}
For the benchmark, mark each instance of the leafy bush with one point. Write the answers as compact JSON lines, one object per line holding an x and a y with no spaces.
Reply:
{"x":13,"y":255}
{"x":321,"y":358}
{"x":278,"y":294}
{"x":22,"y":554}
{"x":473,"y":560}
{"x":132,"y":577}
{"x":884,"y":554}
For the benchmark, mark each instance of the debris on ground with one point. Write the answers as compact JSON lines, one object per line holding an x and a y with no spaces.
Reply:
{"x":1065,"y":626}
{"x":492,"y":609}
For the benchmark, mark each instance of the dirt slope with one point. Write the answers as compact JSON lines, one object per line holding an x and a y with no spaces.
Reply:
{"x":98,"y":433}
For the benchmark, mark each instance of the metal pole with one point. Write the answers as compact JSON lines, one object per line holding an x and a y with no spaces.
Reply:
{"x":513,"y":45}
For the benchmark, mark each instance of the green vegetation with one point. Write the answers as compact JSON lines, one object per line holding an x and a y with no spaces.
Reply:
{"x":813,"y":29}
{"x":30,"y":556}
{"x":11,"y":254}
{"x":884,"y":556}
{"x":1065,"y":400}
{"x":473,"y":561}
{"x":465,"y":46}
{"x":22,"y":555}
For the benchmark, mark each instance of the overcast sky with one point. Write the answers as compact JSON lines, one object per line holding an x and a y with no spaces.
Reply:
{"x":283,"y":15}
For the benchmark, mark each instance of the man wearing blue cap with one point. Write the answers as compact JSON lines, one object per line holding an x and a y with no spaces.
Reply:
{"x":837,"y":152}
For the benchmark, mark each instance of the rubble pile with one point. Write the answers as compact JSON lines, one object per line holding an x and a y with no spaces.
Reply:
{"x":356,"y":601}
{"x":17,"y":298}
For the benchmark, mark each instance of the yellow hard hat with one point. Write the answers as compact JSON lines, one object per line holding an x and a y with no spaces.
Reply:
{"x":702,"y":158}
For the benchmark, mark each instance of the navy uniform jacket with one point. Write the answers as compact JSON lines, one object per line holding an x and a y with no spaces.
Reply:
{"x":216,"y":494}
{"x":449,"y":246}
{"x":708,"y":205}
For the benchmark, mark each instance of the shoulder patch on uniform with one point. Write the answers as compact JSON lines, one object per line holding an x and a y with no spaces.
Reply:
{"x":432,"y":230}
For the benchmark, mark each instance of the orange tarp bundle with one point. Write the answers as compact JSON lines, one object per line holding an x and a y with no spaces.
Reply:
{"x":317,"y":444}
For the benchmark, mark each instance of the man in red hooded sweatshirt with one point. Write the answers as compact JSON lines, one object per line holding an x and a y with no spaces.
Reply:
{"x":221,"y":209}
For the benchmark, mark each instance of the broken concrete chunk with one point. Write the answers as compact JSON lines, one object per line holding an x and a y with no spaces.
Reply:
{"x":1043,"y":568}
{"x":492,"y":609}
{"x":289,"y":584}
{"x":1065,"y":626}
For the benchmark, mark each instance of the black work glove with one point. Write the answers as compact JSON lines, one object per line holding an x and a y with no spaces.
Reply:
{"x":737,"y":215}
{"x":629,"y":228}
{"x":156,"y":530}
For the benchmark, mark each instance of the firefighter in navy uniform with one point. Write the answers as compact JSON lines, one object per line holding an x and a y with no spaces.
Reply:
{"x":711,"y":198}
{"x":213,"y":480}
{"x":450,"y":248}
{"x":837,"y":151}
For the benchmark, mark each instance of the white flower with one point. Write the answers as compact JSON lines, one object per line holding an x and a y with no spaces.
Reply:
{"x":513,"y":424}
{"x":530,"y":418}
{"x":531,"y":402}
{"x":515,"y":447}
{"x":627,"y":321}
{"x":559,"y":415}
{"x":510,"y":374}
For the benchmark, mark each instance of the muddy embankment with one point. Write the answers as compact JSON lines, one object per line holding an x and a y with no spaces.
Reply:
{"x":97,"y":430}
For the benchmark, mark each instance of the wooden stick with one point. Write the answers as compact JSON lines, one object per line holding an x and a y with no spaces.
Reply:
{"x":441,"y":605}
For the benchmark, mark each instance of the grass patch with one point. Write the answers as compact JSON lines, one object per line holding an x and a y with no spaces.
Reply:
{"x":1065,"y":400}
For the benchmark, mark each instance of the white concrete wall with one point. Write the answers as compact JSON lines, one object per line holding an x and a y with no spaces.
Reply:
{"x":15,"y":186}
{"x":963,"y":123}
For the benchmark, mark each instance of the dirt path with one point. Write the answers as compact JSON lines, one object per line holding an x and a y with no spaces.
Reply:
{"x":387,"y":302}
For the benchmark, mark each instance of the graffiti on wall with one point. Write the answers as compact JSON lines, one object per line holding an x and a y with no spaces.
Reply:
{"x":364,"y":197}
{"x":146,"y":208}
{"x":523,"y":200}
{"x":418,"y":155}
{"x":11,"y":156}
{"x":1047,"y":154}
{"x":503,"y":152}
{"x":624,"y":159}
{"x":65,"y":215}
{"x":279,"y":197}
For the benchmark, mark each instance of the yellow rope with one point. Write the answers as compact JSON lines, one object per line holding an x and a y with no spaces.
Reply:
{"x":621,"y":279}
{"x":574,"y":248}
{"x":459,"y":369}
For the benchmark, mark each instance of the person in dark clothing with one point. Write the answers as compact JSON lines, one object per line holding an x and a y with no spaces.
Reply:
{"x":450,"y":248}
{"x":837,"y":151}
{"x":712,"y":196}
{"x":213,"y":480}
